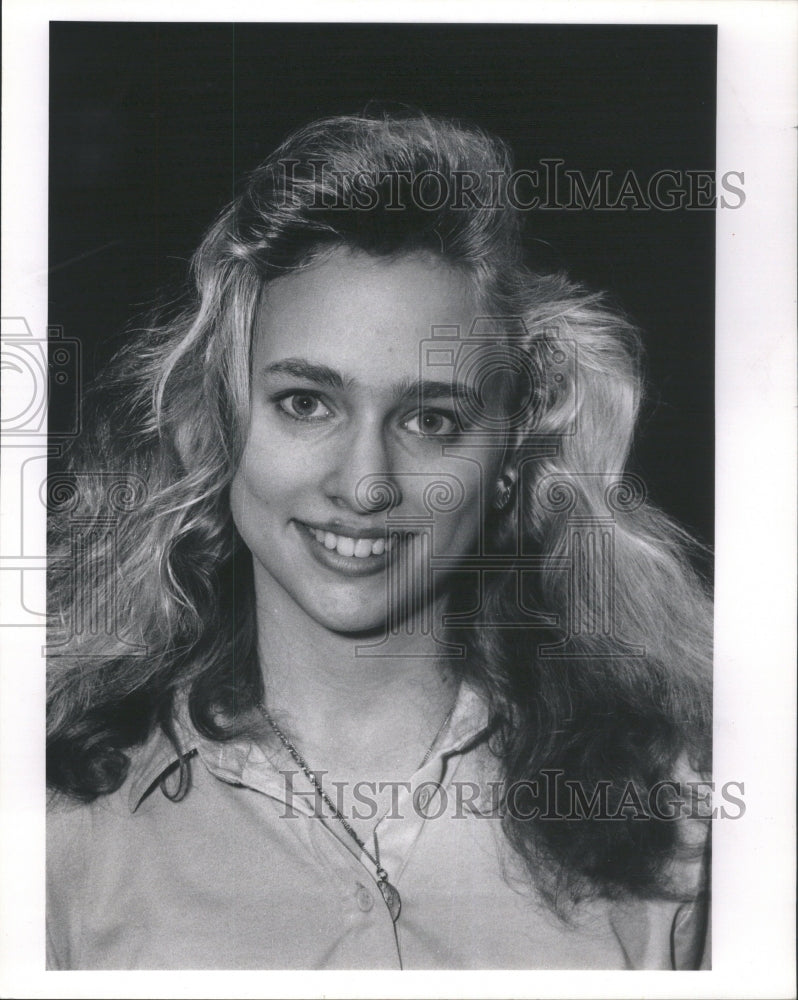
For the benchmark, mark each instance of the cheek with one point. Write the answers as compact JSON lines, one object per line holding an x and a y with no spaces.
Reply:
{"x":245,"y":506}
{"x":264,"y":495}
{"x":267,"y":474}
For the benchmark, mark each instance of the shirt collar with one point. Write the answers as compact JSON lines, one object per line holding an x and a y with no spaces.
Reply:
{"x":151,"y":762}
{"x":469,"y":722}
{"x":158,"y":755}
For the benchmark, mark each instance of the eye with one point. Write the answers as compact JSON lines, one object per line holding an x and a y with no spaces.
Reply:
{"x":431,"y":423}
{"x":303,"y":406}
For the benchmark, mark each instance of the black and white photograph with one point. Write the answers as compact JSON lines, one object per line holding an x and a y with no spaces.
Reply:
{"x":383,"y":461}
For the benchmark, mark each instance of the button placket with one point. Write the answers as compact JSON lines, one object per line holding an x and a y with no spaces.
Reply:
{"x":341,"y":864}
{"x":365,"y":899}
{"x":398,"y":830}
{"x":397,"y":842}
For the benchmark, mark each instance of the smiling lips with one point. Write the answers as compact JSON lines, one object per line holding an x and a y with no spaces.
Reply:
{"x":358,"y":548}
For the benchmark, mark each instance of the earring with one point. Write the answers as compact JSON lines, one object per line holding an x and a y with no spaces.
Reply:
{"x":502,"y":492}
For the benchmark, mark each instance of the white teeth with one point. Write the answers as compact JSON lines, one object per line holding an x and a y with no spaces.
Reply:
{"x":362,"y":548}
{"x":359,"y":548}
{"x":345,"y":546}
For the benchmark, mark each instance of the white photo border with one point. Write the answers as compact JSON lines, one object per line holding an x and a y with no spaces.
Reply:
{"x":753,"y":858}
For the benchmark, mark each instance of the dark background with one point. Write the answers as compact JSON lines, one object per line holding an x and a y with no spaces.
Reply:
{"x":153,"y":125}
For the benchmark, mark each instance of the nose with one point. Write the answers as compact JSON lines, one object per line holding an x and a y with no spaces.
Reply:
{"x":360,"y":476}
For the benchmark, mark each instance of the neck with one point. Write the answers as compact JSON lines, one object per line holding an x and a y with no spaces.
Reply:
{"x":349,"y":712}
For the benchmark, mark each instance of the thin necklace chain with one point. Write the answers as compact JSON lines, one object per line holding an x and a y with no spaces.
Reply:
{"x":300,"y":760}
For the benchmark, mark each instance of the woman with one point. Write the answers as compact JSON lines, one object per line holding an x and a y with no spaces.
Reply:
{"x":371,"y":655}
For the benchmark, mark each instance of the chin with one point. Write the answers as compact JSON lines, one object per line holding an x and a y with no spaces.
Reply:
{"x":363,"y":633}
{"x":364,"y":614}
{"x":355,"y":622}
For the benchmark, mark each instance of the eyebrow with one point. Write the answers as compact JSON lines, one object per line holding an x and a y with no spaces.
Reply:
{"x":321,"y":375}
{"x":406,"y":390}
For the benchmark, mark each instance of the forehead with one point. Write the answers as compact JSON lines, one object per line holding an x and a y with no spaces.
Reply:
{"x":363,"y":315}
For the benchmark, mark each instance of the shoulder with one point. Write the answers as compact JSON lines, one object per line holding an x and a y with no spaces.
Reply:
{"x":689,"y":869}
{"x":69,"y":826}
{"x":663,"y":934}
{"x":671,"y":931}
{"x":70,"y":840}
{"x":75,"y":830}
{"x":88,"y":845}
{"x":674,"y":933}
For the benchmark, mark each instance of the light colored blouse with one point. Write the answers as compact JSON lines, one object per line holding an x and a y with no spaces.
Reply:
{"x":243,"y":873}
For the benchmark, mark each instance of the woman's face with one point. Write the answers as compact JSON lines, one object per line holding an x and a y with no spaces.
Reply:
{"x":354,"y":419}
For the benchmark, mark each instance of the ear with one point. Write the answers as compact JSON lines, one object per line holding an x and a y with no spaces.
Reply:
{"x":510,"y":474}
{"x":505,"y":487}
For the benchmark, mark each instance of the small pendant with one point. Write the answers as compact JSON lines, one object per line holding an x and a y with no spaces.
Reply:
{"x":392,"y":898}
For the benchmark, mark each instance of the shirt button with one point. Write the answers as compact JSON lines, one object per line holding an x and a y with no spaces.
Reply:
{"x":364,"y":899}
